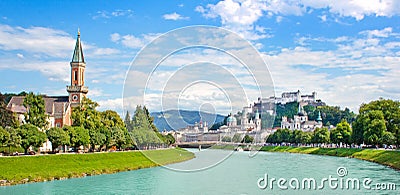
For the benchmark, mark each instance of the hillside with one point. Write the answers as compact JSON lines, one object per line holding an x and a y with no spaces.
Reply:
{"x":176,"y":119}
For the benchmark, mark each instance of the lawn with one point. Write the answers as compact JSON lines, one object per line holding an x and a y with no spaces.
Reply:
{"x":22,"y":169}
{"x":385,"y":157}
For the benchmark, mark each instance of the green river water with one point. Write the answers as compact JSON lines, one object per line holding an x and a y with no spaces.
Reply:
{"x":237,"y":174}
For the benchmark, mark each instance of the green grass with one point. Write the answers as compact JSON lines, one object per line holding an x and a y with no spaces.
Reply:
{"x":223,"y":147}
{"x":50,"y":167}
{"x":384,"y":157}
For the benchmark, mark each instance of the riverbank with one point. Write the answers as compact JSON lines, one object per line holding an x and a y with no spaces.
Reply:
{"x":389,"y":158}
{"x":24,"y":169}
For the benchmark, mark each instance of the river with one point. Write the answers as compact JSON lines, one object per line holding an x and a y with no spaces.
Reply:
{"x":237,"y":174}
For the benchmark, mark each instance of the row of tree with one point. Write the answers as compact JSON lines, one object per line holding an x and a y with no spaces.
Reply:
{"x":378,"y":123}
{"x":90,"y":128}
{"x":143,"y":131}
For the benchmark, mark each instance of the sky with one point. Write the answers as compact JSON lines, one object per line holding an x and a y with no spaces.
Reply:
{"x":348,"y":51}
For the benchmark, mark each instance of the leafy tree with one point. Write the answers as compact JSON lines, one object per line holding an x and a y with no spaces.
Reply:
{"x":332,"y":115}
{"x":14,"y":139}
{"x":7,"y":118}
{"x":170,"y":139}
{"x":108,"y":139}
{"x":387,"y":138}
{"x":86,"y":115}
{"x":391,"y":114}
{"x":321,"y":135}
{"x":226,"y":139}
{"x":79,"y":136}
{"x":296,"y":136}
{"x":289,"y":110}
{"x":118,"y":137}
{"x":36,"y":111}
{"x":342,"y":133}
{"x":30,"y":136}
{"x":58,"y":137}
{"x":237,"y":138}
{"x":128,"y":122}
{"x":96,"y":138}
{"x":4,"y":136}
{"x":111,"y":118}
{"x":375,"y":127}
{"x":150,"y":119}
{"x":248,"y":139}
{"x":306,"y":137}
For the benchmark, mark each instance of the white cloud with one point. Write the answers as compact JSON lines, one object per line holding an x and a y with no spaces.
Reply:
{"x":386,"y":32}
{"x":21,"y":56}
{"x":115,"y":13}
{"x":242,"y":15}
{"x":174,"y":16}
{"x":238,"y":16}
{"x":104,"y":51}
{"x":323,"y":18}
{"x":363,"y":68}
{"x":39,"y":40}
{"x":133,"y":41}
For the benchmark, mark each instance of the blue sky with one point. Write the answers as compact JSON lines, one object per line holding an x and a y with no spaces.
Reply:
{"x":347,"y":51}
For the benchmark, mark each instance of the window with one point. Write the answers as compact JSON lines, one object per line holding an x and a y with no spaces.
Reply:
{"x":58,"y":125}
{"x":75,"y":75}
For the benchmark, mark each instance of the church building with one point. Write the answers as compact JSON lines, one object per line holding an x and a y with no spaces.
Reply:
{"x":59,"y":108}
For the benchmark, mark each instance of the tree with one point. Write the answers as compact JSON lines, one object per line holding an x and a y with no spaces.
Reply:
{"x":387,"y":138}
{"x":331,"y":115}
{"x":342,"y":133}
{"x":14,"y":139}
{"x":128,"y":122}
{"x":118,"y":137}
{"x":226,"y":139}
{"x":110,"y":118}
{"x":79,"y":136}
{"x":30,"y":136}
{"x":150,"y":119}
{"x":36,"y":111}
{"x":4,"y":136}
{"x":296,"y":136}
{"x":86,"y":115}
{"x":375,"y":128}
{"x":96,"y":138}
{"x":390,"y":111}
{"x":248,"y":139}
{"x":7,"y":118}
{"x":58,"y":137}
{"x":358,"y":129}
{"x":170,"y":139}
{"x":306,"y":137}
{"x":237,"y":138}
{"x":321,"y":135}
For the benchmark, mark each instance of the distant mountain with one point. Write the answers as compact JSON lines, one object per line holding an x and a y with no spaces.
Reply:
{"x":176,"y":119}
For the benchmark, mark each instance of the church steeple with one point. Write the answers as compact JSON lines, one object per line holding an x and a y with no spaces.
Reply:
{"x":78,"y":53}
{"x":77,"y":90}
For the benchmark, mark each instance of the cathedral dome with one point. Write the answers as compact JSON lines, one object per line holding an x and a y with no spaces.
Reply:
{"x":231,"y":119}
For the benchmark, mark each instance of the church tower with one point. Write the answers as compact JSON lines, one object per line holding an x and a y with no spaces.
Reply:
{"x":77,"y":90}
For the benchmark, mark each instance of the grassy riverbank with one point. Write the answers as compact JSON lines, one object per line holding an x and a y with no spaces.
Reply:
{"x":384,"y":157}
{"x":16,"y":170}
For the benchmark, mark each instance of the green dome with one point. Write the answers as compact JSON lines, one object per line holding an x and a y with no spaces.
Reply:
{"x":231,"y":119}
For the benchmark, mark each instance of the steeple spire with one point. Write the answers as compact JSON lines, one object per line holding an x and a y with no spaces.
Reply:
{"x":319,"y":119}
{"x":78,"y":54}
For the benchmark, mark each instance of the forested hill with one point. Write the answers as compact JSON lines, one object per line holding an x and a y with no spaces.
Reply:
{"x":175,"y":119}
{"x":331,"y":115}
